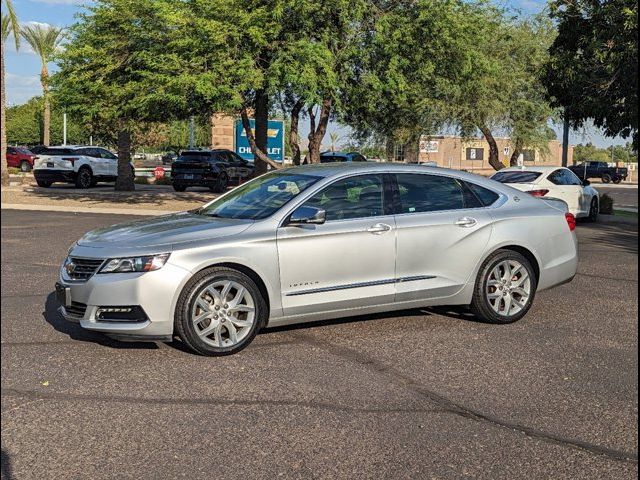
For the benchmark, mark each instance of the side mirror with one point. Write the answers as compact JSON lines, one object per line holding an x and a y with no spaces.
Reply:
{"x":586,"y":183}
{"x":307,"y":216}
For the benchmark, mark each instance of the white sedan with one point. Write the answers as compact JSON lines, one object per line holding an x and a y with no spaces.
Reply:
{"x":554,"y":182}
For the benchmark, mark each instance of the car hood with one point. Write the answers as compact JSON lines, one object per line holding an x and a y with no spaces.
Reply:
{"x":165,"y":231}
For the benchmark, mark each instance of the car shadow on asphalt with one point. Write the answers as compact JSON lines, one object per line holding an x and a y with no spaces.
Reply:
{"x":76,"y":332}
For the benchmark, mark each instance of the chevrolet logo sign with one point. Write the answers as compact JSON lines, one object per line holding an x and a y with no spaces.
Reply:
{"x":271,"y":133}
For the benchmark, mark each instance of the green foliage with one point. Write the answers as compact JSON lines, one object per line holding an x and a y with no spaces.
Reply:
{"x":10,"y":24}
{"x":589,"y":152}
{"x":43,"y":39}
{"x":606,"y":204}
{"x":593,"y":69}
{"x":25,"y":125}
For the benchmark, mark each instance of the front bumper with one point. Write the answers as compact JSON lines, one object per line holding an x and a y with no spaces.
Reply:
{"x":155,"y":292}
{"x":51,"y":175}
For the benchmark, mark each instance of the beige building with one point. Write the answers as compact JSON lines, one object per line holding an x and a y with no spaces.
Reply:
{"x":473,"y":154}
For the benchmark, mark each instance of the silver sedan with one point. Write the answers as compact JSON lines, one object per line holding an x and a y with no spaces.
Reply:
{"x":319,"y":242}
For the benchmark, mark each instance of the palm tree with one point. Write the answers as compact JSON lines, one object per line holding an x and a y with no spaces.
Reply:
{"x":335,"y":137}
{"x":44,"y":40}
{"x":10,"y":24}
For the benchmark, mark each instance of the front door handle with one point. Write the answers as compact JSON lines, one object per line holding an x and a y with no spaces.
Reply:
{"x":466,"y":222}
{"x":379,"y":228}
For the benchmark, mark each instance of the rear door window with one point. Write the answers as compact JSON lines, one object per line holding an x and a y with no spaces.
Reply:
{"x":558,"y":178}
{"x":486,"y":196}
{"x":420,"y":193}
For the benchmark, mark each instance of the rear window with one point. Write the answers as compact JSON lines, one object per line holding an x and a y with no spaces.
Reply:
{"x":332,"y":158}
{"x":193,"y":156}
{"x":516,"y":177}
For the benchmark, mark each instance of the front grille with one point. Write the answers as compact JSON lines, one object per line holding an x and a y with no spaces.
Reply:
{"x":76,"y":309}
{"x":83,"y":268}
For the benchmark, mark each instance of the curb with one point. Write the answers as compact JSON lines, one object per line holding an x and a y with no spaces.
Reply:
{"x":72,"y":209}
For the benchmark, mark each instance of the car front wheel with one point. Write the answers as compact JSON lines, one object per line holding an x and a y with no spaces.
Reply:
{"x":220,"y":311}
{"x":606,"y":178}
{"x":505,"y":288}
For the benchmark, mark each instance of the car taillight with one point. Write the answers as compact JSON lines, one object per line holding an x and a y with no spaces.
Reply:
{"x":571,"y":221}
{"x":70,"y":159}
{"x":538,"y":193}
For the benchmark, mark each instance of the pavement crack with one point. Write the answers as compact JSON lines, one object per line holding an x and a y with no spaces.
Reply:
{"x":37,"y":395}
{"x":448,"y":405}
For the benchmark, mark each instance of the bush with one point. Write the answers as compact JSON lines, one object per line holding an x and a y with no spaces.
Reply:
{"x":606,"y":204}
{"x":13,"y":171}
{"x":141,"y":180}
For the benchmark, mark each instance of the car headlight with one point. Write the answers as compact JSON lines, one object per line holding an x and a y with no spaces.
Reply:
{"x":147,"y":263}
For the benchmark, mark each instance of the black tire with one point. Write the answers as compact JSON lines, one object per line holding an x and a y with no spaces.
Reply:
{"x":617,"y":179}
{"x":179,"y":188}
{"x":606,"y":178}
{"x":221,"y":184}
{"x":480,"y":305}
{"x":85,"y":178}
{"x":25,"y":166}
{"x":44,"y":183}
{"x":185,"y":327}
{"x":594,"y":210}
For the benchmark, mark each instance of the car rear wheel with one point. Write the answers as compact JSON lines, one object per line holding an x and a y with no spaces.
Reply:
{"x":179,"y":188}
{"x":606,"y":178}
{"x":85,"y":178}
{"x":221,"y":184}
{"x":220,"y":311}
{"x":25,"y":166}
{"x":594,"y":210}
{"x":505,"y":288}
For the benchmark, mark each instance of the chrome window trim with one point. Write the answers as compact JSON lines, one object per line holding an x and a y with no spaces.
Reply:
{"x":373,"y":283}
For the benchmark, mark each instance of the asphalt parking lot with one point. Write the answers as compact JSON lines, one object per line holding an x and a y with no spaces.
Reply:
{"x":419,"y":394}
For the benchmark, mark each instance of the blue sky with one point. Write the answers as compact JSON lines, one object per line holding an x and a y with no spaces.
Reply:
{"x":23,"y":67}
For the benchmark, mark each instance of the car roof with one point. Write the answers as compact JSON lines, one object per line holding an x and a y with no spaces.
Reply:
{"x":337,"y":154}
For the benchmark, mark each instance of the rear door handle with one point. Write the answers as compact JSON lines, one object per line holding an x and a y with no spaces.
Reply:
{"x":466,"y":222}
{"x":379,"y":228}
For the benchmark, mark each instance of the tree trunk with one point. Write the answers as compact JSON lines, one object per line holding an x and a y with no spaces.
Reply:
{"x":316,"y":134}
{"x":46,"y":120}
{"x":124,"y":182}
{"x":3,"y":126}
{"x":257,"y":153}
{"x":294,"y":140}
{"x":517,"y":150}
{"x":494,"y":154}
{"x":262,"y":129}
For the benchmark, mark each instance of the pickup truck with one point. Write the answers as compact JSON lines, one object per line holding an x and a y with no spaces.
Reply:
{"x":602,"y":170}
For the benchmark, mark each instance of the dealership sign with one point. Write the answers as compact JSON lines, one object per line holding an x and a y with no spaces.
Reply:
{"x":275,"y":140}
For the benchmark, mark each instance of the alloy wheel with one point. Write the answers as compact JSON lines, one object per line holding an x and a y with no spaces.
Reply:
{"x":508,"y":288}
{"x":223,"y":313}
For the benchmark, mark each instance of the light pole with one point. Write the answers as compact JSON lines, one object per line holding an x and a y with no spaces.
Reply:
{"x":64,"y":129}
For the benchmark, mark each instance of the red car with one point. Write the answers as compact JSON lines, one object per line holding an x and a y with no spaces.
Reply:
{"x":21,"y":158}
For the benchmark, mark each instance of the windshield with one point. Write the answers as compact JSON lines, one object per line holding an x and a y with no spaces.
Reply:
{"x":516,"y":177}
{"x":260,"y":197}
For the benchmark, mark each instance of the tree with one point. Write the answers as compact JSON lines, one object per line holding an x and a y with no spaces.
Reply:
{"x":44,"y":40}
{"x":10,"y":25}
{"x":25,"y":124}
{"x":593,"y":69}
{"x":410,"y":65}
{"x":589,"y":152}
{"x":116,"y":71}
{"x":505,"y":89}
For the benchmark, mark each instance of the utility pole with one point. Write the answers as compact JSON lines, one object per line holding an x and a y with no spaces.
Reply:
{"x":64,"y":129}
{"x":192,"y":133}
{"x":565,"y":140}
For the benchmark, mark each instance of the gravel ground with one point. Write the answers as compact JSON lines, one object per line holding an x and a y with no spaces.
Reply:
{"x":415,"y":394}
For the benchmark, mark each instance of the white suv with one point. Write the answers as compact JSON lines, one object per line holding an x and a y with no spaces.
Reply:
{"x":84,"y":166}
